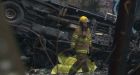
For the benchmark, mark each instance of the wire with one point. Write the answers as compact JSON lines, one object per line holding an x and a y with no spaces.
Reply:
{"x":39,"y":37}
{"x":44,"y":48}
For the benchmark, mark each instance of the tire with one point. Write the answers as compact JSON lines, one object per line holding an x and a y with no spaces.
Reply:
{"x":13,"y":12}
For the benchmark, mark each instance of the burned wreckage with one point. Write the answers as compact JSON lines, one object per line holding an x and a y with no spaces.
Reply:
{"x":43,"y":30}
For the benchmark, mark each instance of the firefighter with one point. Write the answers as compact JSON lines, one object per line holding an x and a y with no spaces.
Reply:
{"x":81,"y":41}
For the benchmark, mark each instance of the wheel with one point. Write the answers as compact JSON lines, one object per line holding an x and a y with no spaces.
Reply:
{"x":13,"y":12}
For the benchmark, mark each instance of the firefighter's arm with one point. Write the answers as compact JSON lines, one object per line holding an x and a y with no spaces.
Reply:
{"x":90,"y":43}
{"x":90,"y":39}
{"x":74,"y":38}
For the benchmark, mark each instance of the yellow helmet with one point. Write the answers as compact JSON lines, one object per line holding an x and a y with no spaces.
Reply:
{"x":83,"y":19}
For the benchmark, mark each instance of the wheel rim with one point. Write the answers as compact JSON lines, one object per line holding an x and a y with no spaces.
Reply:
{"x":10,"y":13}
